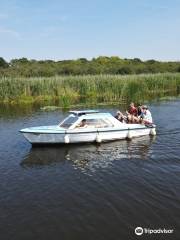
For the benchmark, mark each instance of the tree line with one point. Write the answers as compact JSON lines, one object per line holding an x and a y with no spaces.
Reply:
{"x":24,"y":67}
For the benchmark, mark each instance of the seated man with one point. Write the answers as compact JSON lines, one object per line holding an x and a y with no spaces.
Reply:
{"x":146,"y":117}
{"x":83,"y":124}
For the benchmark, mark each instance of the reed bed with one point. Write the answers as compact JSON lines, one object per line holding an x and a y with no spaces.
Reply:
{"x":70,"y":90}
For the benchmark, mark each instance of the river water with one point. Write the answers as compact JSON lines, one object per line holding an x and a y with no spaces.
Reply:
{"x":89,"y":191}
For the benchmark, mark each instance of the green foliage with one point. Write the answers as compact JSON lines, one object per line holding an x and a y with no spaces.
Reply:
{"x":71,"y":90}
{"x":102,"y":79}
{"x":101,"y":65}
{"x":3,"y":63}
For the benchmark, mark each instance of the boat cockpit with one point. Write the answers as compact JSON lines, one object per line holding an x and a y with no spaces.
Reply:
{"x":88,"y":119}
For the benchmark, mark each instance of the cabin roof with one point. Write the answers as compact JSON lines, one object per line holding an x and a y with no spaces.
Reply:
{"x":84,"y":112}
{"x":94,"y":116}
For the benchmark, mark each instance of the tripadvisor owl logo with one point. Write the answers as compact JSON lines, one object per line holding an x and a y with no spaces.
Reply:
{"x":139,"y":231}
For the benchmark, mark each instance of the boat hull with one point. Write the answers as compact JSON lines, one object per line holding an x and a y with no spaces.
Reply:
{"x":85,"y":136}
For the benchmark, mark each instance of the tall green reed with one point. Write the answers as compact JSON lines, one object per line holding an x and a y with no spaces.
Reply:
{"x":70,"y":90}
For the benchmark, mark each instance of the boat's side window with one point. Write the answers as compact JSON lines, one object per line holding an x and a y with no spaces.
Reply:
{"x":98,"y":123}
{"x":91,"y":122}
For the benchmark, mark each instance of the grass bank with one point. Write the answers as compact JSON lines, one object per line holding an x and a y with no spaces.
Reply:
{"x":71,"y":90}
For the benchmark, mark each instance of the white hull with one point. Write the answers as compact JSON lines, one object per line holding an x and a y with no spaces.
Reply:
{"x":85,"y":136}
{"x":96,"y":127}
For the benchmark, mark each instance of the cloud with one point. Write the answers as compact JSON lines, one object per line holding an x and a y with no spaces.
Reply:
{"x":52,"y":31}
{"x":154,"y":7}
{"x":64,"y":18}
{"x":3,"y":16}
{"x":10,"y":32}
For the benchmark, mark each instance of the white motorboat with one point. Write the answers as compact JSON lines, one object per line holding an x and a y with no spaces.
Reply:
{"x":86,"y":126}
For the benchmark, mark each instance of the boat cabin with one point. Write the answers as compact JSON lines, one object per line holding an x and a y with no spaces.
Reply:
{"x":89,"y":119}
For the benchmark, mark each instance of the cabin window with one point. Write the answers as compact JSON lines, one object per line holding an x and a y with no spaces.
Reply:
{"x":68,"y":122}
{"x":98,"y":123}
{"x":109,"y":123}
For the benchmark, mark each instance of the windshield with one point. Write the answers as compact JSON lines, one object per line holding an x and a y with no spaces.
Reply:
{"x":68,"y":121}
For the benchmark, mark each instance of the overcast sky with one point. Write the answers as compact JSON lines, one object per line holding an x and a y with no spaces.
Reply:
{"x":70,"y":29}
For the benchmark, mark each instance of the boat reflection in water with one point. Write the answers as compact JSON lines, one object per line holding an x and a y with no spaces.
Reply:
{"x":89,"y":157}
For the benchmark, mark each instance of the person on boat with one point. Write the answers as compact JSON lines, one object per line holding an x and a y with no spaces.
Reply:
{"x":138,"y":118}
{"x":139,"y":110}
{"x":132,"y":113}
{"x":146,"y":117}
{"x":83,"y":124}
{"x":119,"y":116}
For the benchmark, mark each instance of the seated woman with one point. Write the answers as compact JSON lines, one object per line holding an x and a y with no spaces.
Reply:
{"x":139,"y":110}
{"x":138,"y":117}
{"x":119,"y":116}
{"x":132,"y":113}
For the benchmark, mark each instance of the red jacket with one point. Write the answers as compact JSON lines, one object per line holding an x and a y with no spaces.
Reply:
{"x":133,"y":111}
